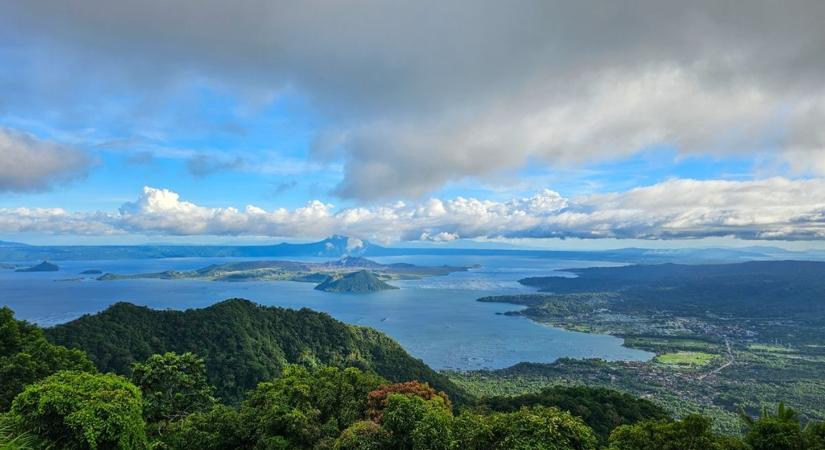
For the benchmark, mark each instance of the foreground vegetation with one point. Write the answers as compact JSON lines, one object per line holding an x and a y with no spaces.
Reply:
{"x":54,"y":398}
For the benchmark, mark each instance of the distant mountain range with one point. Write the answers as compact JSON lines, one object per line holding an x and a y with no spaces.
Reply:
{"x":338,"y":246}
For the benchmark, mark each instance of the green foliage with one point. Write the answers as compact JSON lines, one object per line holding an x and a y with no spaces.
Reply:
{"x":362,"y":281}
{"x":415,"y":423}
{"x":379,"y":398}
{"x":536,"y":428}
{"x":78,"y":410}
{"x":691,"y":359}
{"x":242,"y":343}
{"x":780,"y":430}
{"x":26,"y":356}
{"x":414,"y":417}
{"x":814,"y":435}
{"x":304,"y":407}
{"x":601,"y":409}
{"x":324,"y":407}
{"x":173,"y":386}
{"x":13,"y":439}
{"x":691,"y":433}
{"x":363,"y":435}
{"x":216,"y":429}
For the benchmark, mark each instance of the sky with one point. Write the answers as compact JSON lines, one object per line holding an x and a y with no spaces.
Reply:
{"x":539,"y":123}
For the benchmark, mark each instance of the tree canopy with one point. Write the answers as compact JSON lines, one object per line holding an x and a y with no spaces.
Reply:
{"x":26,"y":357}
{"x":242,"y":343}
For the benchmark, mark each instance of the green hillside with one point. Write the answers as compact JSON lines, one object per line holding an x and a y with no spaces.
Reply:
{"x":242,"y":343}
{"x":359,"y":282}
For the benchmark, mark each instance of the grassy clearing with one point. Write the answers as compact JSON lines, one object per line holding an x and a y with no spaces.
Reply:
{"x":666,"y":345}
{"x":770,"y":348}
{"x":686,"y":359}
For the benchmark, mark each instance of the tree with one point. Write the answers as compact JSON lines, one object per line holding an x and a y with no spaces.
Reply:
{"x":814,"y":435}
{"x":415,"y":423}
{"x":601,"y":409}
{"x":539,"y":428}
{"x":473,"y":431}
{"x":26,"y":356}
{"x":307,"y":408}
{"x":363,"y":435}
{"x":78,"y":410}
{"x":216,"y":429}
{"x":173,"y":386}
{"x":780,"y":430}
{"x":691,"y":433}
{"x":379,"y":398}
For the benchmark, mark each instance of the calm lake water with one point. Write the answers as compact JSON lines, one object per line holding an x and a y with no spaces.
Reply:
{"x":436,"y":319}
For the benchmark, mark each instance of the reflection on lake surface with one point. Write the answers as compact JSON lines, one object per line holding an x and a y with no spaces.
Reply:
{"x":436,"y":319}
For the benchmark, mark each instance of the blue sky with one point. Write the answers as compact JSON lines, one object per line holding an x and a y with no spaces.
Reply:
{"x":143,"y":124}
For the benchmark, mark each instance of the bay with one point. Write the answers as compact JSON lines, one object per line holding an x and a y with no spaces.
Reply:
{"x":436,"y":319}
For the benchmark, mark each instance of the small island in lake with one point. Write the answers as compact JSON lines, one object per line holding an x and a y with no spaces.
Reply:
{"x":294,"y":271}
{"x":45,"y":266}
{"x":360,"y":282}
{"x":92,"y":272}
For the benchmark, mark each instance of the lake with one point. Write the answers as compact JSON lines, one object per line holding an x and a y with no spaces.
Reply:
{"x":436,"y":319}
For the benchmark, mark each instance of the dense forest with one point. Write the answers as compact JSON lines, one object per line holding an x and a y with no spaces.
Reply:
{"x":54,"y":397}
{"x":242,"y":343}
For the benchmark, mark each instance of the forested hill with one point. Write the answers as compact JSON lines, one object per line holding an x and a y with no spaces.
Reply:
{"x":242,"y":343}
{"x":359,"y":282}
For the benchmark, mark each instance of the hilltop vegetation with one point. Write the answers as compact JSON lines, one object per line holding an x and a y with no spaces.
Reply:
{"x":242,"y":343}
{"x":167,"y":403}
{"x":26,"y":356}
{"x":356,"y":282}
{"x":601,"y":409}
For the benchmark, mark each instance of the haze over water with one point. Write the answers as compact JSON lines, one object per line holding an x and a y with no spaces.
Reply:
{"x":436,"y":319}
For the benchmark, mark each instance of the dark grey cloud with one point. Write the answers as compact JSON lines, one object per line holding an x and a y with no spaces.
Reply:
{"x":29,"y":164}
{"x":421,"y":93}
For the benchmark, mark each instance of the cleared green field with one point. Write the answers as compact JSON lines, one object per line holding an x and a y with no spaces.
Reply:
{"x":692,"y":359}
{"x":770,"y":348}
{"x":663,"y":344}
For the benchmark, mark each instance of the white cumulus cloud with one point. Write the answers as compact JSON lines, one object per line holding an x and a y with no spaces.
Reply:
{"x":775,"y":208}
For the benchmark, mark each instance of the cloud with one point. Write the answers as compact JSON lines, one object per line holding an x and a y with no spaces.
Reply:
{"x":770,"y":209}
{"x":56,"y":221}
{"x":417,"y":94}
{"x":202,"y":165}
{"x":29,"y":164}
{"x":284,"y":186}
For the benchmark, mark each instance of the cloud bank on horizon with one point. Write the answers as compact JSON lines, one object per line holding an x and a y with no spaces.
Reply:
{"x":772,"y":209}
{"x":405,"y":100}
